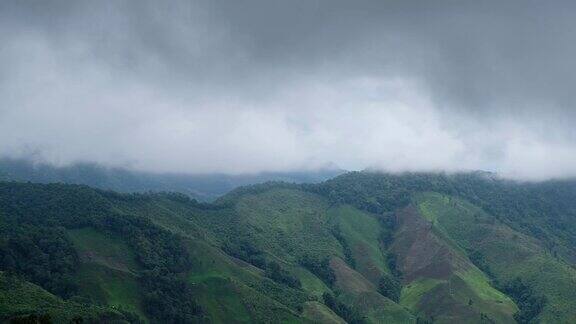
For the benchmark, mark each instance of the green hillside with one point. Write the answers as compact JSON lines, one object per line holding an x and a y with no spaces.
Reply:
{"x":108,"y":270}
{"x":25,"y":301}
{"x":505,"y":253}
{"x":360,"y":248}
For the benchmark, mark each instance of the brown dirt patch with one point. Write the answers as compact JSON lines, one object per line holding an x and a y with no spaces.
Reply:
{"x":108,"y":261}
{"x":421,"y":253}
{"x":365,"y":262}
{"x":348,"y":280}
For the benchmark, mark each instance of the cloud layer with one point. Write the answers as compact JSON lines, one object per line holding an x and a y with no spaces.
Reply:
{"x":247,"y":86}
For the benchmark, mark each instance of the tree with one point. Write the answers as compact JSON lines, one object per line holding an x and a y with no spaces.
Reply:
{"x":390,"y":287}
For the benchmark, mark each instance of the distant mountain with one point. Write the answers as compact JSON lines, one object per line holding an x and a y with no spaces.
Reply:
{"x":202,"y":187}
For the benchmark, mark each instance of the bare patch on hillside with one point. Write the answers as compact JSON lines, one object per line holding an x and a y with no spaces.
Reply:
{"x":110,"y":261}
{"x":366,"y":263}
{"x":103,"y":249}
{"x":425,"y":252}
{"x":348,"y":280}
{"x":421,"y":253}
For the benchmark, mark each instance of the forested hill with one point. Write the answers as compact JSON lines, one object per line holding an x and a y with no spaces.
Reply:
{"x":360,"y":248}
{"x":204,"y":187}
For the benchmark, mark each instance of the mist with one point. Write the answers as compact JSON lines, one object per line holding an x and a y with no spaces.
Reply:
{"x":250,"y":86}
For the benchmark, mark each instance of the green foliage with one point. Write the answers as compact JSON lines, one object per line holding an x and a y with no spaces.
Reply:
{"x":364,"y":191}
{"x":337,"y":232}
{"x":168,"y":298}
{"x":529,"y":302}
{"x":31,"y":319}
{"x":276,"y":273}
{"x":320,"y":268}
{"x":246,"y":251}
{"x":421,"y":320}
{"x":480,"y":261}
{"x":45,"y":256}
{"x":24,"y":301}
{"x":390,"y":287}
{"x":392,"y":261}
{"x":251,"y":254}
{"x":387,"y":228}
{"x":350,"y":315}
{"x":41,"y":255}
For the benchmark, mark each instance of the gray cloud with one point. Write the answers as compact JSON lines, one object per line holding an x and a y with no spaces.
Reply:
{"x":247,"y":86}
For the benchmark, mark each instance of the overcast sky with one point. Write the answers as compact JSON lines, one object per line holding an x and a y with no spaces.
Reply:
{"x":266,"y":85}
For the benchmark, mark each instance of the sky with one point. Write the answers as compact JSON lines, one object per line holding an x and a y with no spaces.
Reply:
{"x":204,"y":86}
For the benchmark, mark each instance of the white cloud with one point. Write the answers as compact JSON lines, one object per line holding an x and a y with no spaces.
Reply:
{"x":198,"y":98}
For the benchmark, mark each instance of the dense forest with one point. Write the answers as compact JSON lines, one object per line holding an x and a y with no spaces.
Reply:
{"x":34,"y":245}
{"x":359,"y":248}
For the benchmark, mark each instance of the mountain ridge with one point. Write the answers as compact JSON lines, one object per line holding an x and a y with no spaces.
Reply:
{"x":204,"y":187}
{"x":361,"y":248}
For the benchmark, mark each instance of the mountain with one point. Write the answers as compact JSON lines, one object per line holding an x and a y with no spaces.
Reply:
{"x":204,"y":187}
{"x":363,"y":247}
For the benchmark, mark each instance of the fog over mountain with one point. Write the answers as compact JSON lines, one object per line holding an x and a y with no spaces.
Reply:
{"x":225,"y":86}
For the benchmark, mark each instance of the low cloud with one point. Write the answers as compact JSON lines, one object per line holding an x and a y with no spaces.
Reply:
{"x":235,"y":87}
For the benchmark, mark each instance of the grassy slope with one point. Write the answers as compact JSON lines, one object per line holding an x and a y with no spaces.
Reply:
{"x":286,"y":224}
{"x":510,"y":254}
{"x":104,"y":249}
{"x":361,"y":230}
{"x":289,"y":220}
{"x":232,"y":290}
{"x":229,"y":289}
{"x":106,"y":274}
